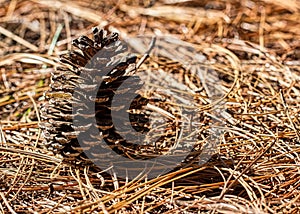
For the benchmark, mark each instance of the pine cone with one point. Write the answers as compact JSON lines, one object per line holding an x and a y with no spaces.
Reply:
{"x":76,"y":99}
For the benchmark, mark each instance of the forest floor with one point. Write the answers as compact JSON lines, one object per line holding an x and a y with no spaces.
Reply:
{"x":254,"y":168}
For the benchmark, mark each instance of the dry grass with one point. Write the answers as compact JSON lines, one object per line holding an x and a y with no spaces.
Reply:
{"x":256,"y":168}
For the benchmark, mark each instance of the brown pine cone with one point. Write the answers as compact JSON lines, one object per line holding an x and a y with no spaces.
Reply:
{"x":66,"y":117}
